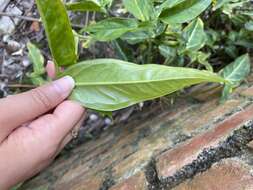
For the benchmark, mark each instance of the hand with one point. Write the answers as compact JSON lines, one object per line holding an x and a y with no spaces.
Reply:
{"x":34,"y":127}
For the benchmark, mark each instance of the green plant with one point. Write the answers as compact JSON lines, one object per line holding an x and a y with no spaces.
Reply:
{"x":170,"y":30}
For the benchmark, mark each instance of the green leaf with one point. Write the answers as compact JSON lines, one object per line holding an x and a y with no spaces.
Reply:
{"x":141,"y":9}
{"x":202,"y":58}
{"x":119,"y":51}
{"x":171,"y":3}
{"x":145,"y":31}
{"x":194,"y":35}
{"x":37,"y":60}
{"x":58,"y":30}
{"x":237,"y":71}
{"x":227,"y":90}
{"x":108,"y":84}
{"x":168,"y":52}
{"x":220,"y":3}
{"x":111,"y":29}
{"x":185,"y":11}
{"x":85,"y":5}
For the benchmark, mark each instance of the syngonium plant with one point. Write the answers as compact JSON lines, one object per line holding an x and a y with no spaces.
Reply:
{"x":110,"y":84}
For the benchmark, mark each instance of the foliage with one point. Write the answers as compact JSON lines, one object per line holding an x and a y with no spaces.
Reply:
{"x":37,"y":59}
{"x":202,"y":34}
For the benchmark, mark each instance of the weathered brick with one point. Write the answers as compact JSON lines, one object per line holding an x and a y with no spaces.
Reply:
{"x":210,"y":115}
{"x":136,"y":182}
{"x":91,"y":183}
{"x":173,"y":160}
{"x":248,"y":92}
{"x":226,"y":175}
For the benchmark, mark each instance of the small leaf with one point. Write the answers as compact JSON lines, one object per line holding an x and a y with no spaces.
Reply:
{"x":195,"y":35}
{"x":111,"y":29}
{"x":85,"y":5}
{"x":58,"y":30}
{"x":141,"y":9}
{"x":237,"y":71}
{"x":37,"y":60}
{"x":142,"y":33}
{"x":168,"y":52}
{"x":108,"y":84}
{"x":185,"y":11}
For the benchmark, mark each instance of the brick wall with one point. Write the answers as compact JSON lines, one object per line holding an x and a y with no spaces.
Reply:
{"x":196,"y":143}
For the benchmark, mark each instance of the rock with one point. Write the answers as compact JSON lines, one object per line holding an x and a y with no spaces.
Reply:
{"x":15,"y":11}
{"x":3,"y":4}
{"x":7,"y":24}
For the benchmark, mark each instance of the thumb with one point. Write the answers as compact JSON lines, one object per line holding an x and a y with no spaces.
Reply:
{"x":29,"y":105}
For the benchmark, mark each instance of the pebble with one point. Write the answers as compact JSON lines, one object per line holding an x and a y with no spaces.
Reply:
{"x":7,"y":25}
{"x":93,"y":117}
{"x":3,"y":4}
{"x":108,"y":121}
{"x":26,"y":62}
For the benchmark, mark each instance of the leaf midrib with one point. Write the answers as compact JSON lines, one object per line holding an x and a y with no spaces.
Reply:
{"x":235,"y":70}
{"x":147,"y":81}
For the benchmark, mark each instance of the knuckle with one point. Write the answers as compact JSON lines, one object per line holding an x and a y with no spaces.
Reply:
{"x":41,"y":98}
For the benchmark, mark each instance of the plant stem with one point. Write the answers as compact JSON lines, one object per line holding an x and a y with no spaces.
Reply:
{"x":21,"y":86}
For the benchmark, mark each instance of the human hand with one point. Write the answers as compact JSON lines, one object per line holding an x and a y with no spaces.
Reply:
{"x":34,"y":127}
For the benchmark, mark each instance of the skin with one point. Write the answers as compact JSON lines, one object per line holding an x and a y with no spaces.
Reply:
{"x":34,"y":128}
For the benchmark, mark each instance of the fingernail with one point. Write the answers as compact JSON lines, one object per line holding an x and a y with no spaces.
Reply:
{"x":50,"y":62}
{"x":64,"y":85}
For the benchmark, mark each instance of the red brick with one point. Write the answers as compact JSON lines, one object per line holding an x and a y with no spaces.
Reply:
{"x":172,"y":160}
{"x":136,"y":182}
{"x":248,"y":92}
{"x":226,"y":175}
{"x":82,"y":183}
{"x":208,"y":116}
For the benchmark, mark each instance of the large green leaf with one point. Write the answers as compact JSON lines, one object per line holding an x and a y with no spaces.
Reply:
{"x":112,"y":28}
{"x":58,"y":30}
{"x":194,"y":35}
{"x":108,"y":84}
{"x":235,"y":73}
{"x":141,"y":9}
{"x":185,"y":11}
{"x":171,"y":3}
{"x":85,"y":5}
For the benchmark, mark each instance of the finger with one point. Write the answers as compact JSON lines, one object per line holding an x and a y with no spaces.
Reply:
{"x":69,"y":136}
{"x":51,"y":70}
{"x":18,"y":109}
{"x":29,"y":149}
{"x":58,"y":125}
